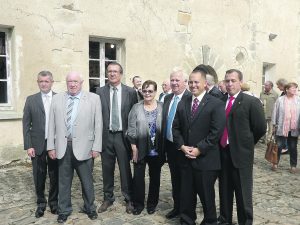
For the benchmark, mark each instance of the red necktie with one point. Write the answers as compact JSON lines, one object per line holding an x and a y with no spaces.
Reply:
{"x":224,"y":137}
{"x":195,"y":106}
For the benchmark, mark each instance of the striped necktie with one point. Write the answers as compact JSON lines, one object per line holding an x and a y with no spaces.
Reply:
{"x":69,"y":116}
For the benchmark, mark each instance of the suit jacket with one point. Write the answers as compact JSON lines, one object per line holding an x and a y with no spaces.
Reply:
{"x":129,"y":98}
{"x":246,"y":125}
{"x":138,"y":129}
{"x":203,"y":131}
{"x":34,"y":123}
{"x":216,"y":93}
{"x":87,"y":126}
{"x":166,"y":105}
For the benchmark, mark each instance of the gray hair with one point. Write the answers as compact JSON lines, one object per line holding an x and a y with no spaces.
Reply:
{"x":45,"y":73}
{"x":210,"y":80}
{"x":180,"y":71}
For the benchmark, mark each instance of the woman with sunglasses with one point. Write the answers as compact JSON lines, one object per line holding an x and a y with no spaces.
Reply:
{"x":144,"y":131}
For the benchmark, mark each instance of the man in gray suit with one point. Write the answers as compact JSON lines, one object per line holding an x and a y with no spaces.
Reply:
{"x":35,"y":125}
{"x":75,"y":131}
{"x":117,"y":100}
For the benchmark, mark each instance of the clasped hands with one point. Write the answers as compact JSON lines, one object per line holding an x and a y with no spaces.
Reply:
{"x":190,"y":152}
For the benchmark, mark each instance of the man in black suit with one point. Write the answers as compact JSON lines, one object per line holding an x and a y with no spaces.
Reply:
{"x":211,"y":88}
{"x":117,"y":100}
{"x":198,"y":124}
{"x":178,"y":81}
{"x":137,"y":86}
{"x":245,"y":126}
{"x":35,"y":127}
{"x":166,"y":90}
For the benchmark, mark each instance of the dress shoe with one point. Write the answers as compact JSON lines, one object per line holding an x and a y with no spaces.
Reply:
{"x":172,"y":214}
{"x":39,"y":212}
{"x":129,"y":207}
{"x":93,"y":215}
{"x":105,"y":205}
{"x":53,"y":210}
{"x":150,"y":210}
{"x":62,"y":218}
{"x":137,"y":211}
{"x":293,"y":170}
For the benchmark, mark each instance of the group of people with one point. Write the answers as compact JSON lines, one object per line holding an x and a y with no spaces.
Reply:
{"x":282,"y":117}
{"x":203,"y":133}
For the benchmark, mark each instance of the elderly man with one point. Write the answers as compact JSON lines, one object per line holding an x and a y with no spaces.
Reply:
{"x":75,"y":137}
{"x":117,"y":101}
{"x":268,"y":97}
{"x":35,"y":129}
{"x":166,"y":90}
{"x":178,"y":81}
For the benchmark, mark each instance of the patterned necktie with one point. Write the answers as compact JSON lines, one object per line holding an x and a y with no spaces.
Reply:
{"x":195,"y":107}
{"x":47,"y":104}
{"x":224,"y":137}
{"x":69,"y":116}
{"x":115,"y":123}
{"x":171,"y":118}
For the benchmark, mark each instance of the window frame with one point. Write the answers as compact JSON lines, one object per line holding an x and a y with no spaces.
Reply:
{"x":119,"y":44}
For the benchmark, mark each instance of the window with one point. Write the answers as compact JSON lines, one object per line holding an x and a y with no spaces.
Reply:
{"x":101,"y":53}
{"x":4,"y":67}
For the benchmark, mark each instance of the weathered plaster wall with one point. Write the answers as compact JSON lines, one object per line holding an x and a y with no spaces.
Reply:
{"x":158,"y":35}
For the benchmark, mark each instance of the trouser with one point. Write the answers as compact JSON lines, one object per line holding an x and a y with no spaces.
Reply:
{"x":66,"y":171}
{"x":154,"y":165}
{"x":116,"y":148}
{"x":40,"y":165}
{"x":292,"y":143}
{"x":238,"y":181}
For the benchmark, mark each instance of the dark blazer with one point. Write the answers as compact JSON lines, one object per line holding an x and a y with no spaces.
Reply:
{"x":246,"y":125}
{"x":129,"y":98}
{"x":203,"y":131}
{"x":166,"y":105}
{"x":34,"y":123}
{"x":216,"y":93}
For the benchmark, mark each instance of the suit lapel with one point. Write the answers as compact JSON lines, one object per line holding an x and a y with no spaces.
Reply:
{"x":81,"y":104}
{"x":237,"y":103}
{"x":39,"y":102}
{"x":188,"y":104}
{"x":200,"y":107}
{"x":107,"y":96}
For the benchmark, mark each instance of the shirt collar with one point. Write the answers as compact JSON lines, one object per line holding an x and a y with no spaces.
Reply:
{"x":199,"y":97}
{"x":118,"y":87}
{"x":49,"y":94}
{"x":78,"y":96}
{"x":179,"y":96}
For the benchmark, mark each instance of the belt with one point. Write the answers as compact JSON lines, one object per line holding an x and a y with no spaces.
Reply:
{"x":115,"y":132}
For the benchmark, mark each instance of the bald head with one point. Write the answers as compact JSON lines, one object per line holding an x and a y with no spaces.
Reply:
{"x":74,"y":83}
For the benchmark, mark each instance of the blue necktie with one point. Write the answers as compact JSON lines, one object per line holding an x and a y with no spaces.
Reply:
{"x":171,"y":118}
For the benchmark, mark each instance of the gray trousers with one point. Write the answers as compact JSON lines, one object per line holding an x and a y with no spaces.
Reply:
{"x":66,"y":167}
{"x":116,"y":150}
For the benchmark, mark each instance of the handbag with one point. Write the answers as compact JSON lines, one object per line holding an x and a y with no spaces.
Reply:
{"x":272,"y":150}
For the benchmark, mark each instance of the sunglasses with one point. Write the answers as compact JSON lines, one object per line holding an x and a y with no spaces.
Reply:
{"x":147,"y":91}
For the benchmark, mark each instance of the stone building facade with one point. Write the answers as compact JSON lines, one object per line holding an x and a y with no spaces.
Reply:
{"x":149,"y":38}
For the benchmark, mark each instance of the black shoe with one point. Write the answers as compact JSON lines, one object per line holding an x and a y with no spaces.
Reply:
{"x":62,"y":218}
{"x":129,"y":207}
{"x":137,"y":211}
{"x":104,"y":206}
{"x":150,"y":210}
{"x":93,"y":215}
{"x":39,"y":212}
{"x":53,"y":210}
{"x":172,"y":214}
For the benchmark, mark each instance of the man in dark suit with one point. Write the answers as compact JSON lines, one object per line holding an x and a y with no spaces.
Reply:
{"x":245,"y":126}
{"x":198,"y":124}
{"x":211,"y":88}
{"x":117,"y":101}
{"x":166,"y":90}
{"x":35,"y":127}
{"x":137,"y":86}
{"x":178,"y":81}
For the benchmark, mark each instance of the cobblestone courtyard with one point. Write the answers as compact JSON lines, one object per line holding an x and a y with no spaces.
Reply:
{"x":276,"y":198}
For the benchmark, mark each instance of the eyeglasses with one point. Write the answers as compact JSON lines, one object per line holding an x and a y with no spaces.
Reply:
{"x":147,"y":91}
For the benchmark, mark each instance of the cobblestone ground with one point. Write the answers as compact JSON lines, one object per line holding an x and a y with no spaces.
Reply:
{"x":276,"y":198}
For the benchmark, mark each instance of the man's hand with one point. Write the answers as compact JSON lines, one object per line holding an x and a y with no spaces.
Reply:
{"x":52,"y":154}
{"x":31,"y":152}
{"x":134,"y":153}
{"x":194,"y":153}
{"x":94,"y":154}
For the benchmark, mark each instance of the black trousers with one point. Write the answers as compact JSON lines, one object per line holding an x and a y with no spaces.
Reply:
{"x":238,"y":182}
{"x":154,"y":165}
{"x":66,"y":172}
{"x":40,"y":165}
{"x":172,"y":156}
{"x":196,"y":182}
{"x":116,"y":148}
